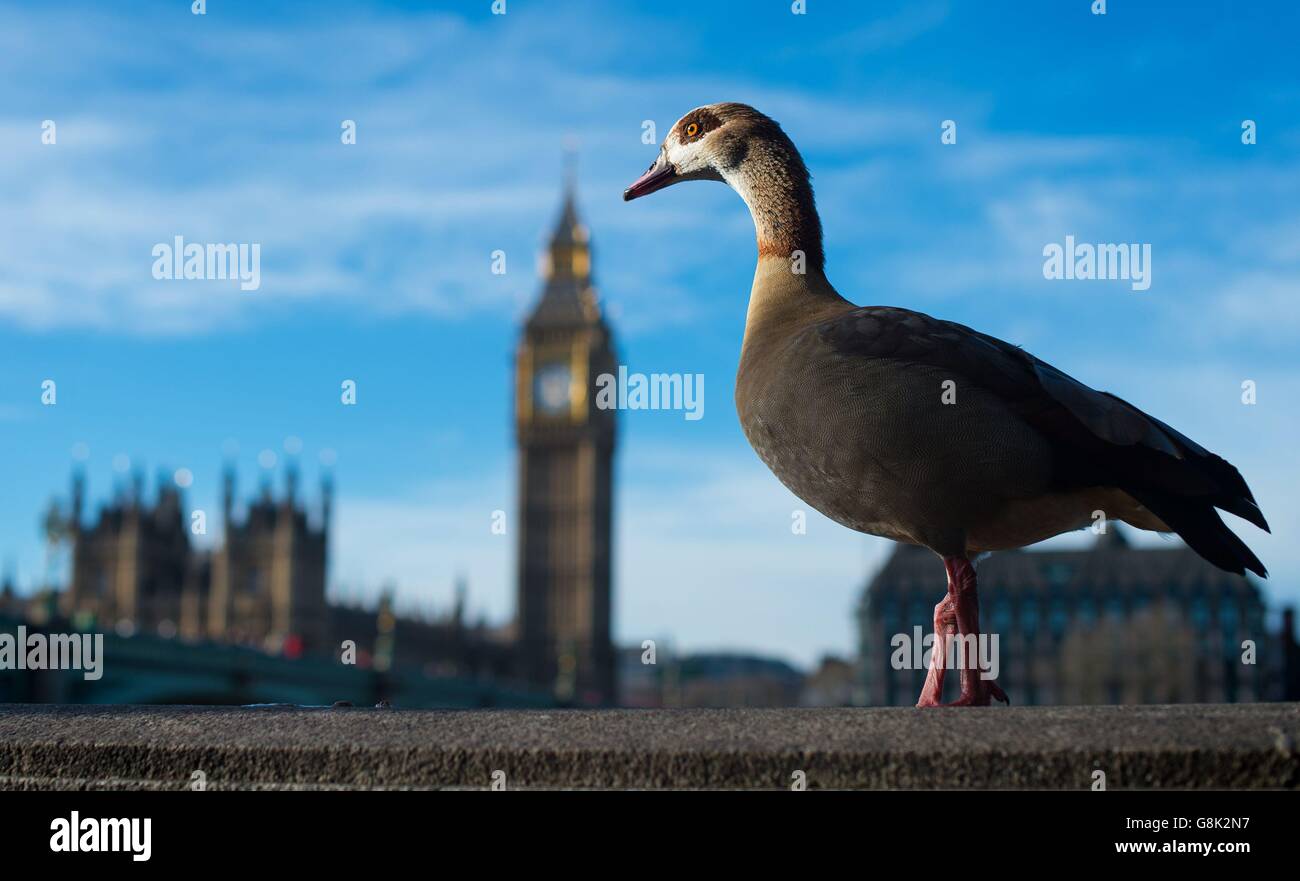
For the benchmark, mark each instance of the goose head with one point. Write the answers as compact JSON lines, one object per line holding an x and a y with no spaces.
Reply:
{"x":712,"y":142}
{"x":748,"y":151}
{"x":690,"y":151}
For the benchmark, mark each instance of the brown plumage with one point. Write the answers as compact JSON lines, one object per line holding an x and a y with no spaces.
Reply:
{"x":925,"y":431}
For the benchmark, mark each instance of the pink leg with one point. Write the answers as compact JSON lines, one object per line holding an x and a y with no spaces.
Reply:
{"x":945,"y":624}
{"x":976,"y":691}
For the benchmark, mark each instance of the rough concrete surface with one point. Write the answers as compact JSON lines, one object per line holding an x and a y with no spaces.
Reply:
{"x":1138,"y":747}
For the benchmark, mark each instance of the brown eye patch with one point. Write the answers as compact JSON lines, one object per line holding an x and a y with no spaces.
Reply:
{"x":696,"y":125}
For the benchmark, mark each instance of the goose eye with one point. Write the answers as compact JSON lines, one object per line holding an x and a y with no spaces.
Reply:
{"x":692,"y":130}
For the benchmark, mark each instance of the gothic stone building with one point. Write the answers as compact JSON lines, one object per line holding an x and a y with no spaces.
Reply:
{"x":1109,"y":624}
{"x":130,"y":567}
{"x":134,"y":568}
{"x":267,"y":584}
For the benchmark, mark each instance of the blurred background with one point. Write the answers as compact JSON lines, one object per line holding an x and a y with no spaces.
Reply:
{"x":436,"y":193}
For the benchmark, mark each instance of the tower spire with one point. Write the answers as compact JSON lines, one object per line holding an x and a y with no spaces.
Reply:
{"x":570,"y":168}
{"x":568,"y":296}
{"x":568,"y":256}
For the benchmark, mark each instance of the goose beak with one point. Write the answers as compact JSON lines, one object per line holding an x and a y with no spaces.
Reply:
{"x":661,"y":174}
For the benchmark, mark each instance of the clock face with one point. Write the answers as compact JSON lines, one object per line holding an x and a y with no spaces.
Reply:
{"x":553,"y":388}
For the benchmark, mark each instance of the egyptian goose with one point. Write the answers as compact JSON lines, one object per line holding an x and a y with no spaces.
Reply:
{"x":921,"y":430}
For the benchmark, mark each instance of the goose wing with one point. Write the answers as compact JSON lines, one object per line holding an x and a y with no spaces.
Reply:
{"x":1097,"y":438}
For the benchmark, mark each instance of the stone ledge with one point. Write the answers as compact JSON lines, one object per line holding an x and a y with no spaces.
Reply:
{"x":158,"y":747}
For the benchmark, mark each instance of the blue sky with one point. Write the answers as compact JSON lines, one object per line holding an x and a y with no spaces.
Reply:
{"x":376,"y":256}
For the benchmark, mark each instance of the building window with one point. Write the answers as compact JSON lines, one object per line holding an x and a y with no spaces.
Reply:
{"x":1059,"y":574}
{"x":1228,"y":619}
{"x":1200,"y":615}
{"x":1087,"y":612}
{"x":1029,"y":618}
{"x":1059,"y":618}
{"x":1001,"y":616}
{"x":917,"y":613}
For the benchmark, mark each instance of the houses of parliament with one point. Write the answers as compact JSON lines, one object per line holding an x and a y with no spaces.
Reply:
{"x":134,"y":568}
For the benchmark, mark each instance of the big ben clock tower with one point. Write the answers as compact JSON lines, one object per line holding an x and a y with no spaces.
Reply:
{"x":566,"y":451}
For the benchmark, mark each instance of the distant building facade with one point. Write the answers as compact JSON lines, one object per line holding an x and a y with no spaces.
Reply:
{"x":731,"y":680}
{"x":267,"y":583}
{"x":831,"y":684}
{"x":565,"y":489}
{"x":133,"y":569}
{"x":1106,"y":625}
{"x":132,"y":566}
